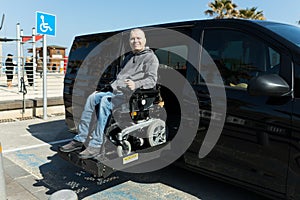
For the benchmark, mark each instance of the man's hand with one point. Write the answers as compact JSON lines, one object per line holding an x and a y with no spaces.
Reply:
{"x":130,"y":84}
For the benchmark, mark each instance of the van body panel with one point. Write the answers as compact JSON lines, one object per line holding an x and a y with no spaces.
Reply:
{"x":259,"y":145}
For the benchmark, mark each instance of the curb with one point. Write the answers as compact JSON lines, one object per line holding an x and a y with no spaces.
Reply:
{"x":30,"y":103}
{"x":12,"y":110}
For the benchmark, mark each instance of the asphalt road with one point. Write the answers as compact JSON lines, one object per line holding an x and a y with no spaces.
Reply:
{"x":29,"y":148}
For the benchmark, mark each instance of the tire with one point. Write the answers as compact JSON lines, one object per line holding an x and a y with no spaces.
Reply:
{"x":156,"y":133}
{"x":124,"y":150}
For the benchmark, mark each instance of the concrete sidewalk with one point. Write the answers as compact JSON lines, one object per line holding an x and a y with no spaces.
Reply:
{"x":29,"y":141}
{"x":19,"y":182}
{"x":34,"y":171}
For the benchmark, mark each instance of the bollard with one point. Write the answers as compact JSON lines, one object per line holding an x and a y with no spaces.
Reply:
{"x":64,"y":194}
{"x":2,"y":178}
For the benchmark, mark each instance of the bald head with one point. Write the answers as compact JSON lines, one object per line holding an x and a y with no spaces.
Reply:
{"x":137,"y":40}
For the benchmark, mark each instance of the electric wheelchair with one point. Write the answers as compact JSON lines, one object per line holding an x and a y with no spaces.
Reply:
{"x":136,"y":126}
{"x":137,"y":123}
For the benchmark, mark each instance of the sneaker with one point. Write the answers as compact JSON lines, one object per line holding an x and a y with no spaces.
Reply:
{"x":71,"y":146}
{"x":89,"y":152}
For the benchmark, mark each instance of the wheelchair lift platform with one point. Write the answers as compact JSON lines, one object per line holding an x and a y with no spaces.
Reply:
{"x":101,"y":166}
{"x":93,"y":166}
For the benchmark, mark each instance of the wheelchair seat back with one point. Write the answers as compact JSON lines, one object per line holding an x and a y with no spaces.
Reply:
{"x":141,"y":101}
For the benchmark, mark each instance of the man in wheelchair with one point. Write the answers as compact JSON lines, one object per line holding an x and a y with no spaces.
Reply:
{"x":139,"y":72}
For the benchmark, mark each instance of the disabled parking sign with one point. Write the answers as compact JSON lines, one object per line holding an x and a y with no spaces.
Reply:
{"x":45,"y":23}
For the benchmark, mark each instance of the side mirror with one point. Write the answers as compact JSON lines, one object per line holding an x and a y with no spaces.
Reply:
{"x":268,"y":85}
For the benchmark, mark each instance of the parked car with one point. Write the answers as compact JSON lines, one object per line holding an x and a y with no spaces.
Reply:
{"x":259,"y":65}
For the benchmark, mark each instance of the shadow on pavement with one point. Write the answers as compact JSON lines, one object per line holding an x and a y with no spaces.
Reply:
{"x":58,"y":174}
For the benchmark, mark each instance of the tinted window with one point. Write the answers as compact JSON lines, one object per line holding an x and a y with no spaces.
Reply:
{"x":289,"y":32}
{"x":174,"y":56}
{"x":79,"y":50}
{"x":239,"y":56}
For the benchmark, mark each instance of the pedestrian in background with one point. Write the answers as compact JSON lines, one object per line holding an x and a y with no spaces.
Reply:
{"x":9,"y":65}
{"x":29,"y":70}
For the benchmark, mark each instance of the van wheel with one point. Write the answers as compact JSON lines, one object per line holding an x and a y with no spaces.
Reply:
{"x":125,"y":149}
{"x":156,"y":133}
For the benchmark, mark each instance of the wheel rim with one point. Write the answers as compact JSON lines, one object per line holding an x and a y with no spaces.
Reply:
{"x":159,"y":135}
{"x":156,"y":133}
{"x":124,"y":149}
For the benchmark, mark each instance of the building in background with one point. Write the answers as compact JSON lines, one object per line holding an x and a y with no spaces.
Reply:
{"x":56,"y":57}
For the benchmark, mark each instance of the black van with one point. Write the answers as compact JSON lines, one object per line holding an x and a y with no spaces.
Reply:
{"x":258,"y":71}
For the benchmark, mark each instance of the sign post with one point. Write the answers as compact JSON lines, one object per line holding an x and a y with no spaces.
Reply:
{"x":46,"y":25}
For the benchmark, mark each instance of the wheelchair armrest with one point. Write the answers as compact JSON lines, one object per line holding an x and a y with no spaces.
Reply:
{"x":151,"y":91}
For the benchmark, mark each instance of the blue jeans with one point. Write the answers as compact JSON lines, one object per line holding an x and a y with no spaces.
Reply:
{"x":105,"y":107}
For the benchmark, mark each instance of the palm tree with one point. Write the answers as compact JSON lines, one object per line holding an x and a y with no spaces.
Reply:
{"x":226,"y":9}
{"x":251,"y":14}
{"x":222,"y":9}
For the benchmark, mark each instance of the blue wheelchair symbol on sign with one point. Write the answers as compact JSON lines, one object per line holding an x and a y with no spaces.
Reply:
{"x":45,"y":23}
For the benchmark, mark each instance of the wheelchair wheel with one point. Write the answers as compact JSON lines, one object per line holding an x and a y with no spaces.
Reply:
{"x":156,"y":133}
{"x":125,"y":149}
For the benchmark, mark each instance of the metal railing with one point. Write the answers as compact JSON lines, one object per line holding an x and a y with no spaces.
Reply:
{"x":30,"y":80}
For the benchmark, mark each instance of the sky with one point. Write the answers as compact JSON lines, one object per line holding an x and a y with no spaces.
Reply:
{"x":78,"y":17}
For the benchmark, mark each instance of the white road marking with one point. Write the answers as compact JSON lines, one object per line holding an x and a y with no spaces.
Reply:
{"x":36,"y":146}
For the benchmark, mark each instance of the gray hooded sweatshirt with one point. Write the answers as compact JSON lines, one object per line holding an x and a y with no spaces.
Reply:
{"x":139,"y":67}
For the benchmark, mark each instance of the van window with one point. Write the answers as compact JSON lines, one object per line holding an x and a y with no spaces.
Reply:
{"x":239,"y":56}
{"x":174,"y":57}
{"x":289,"y":32}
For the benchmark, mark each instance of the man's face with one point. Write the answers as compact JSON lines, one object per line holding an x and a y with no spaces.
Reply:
{"x":137,"y":40}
